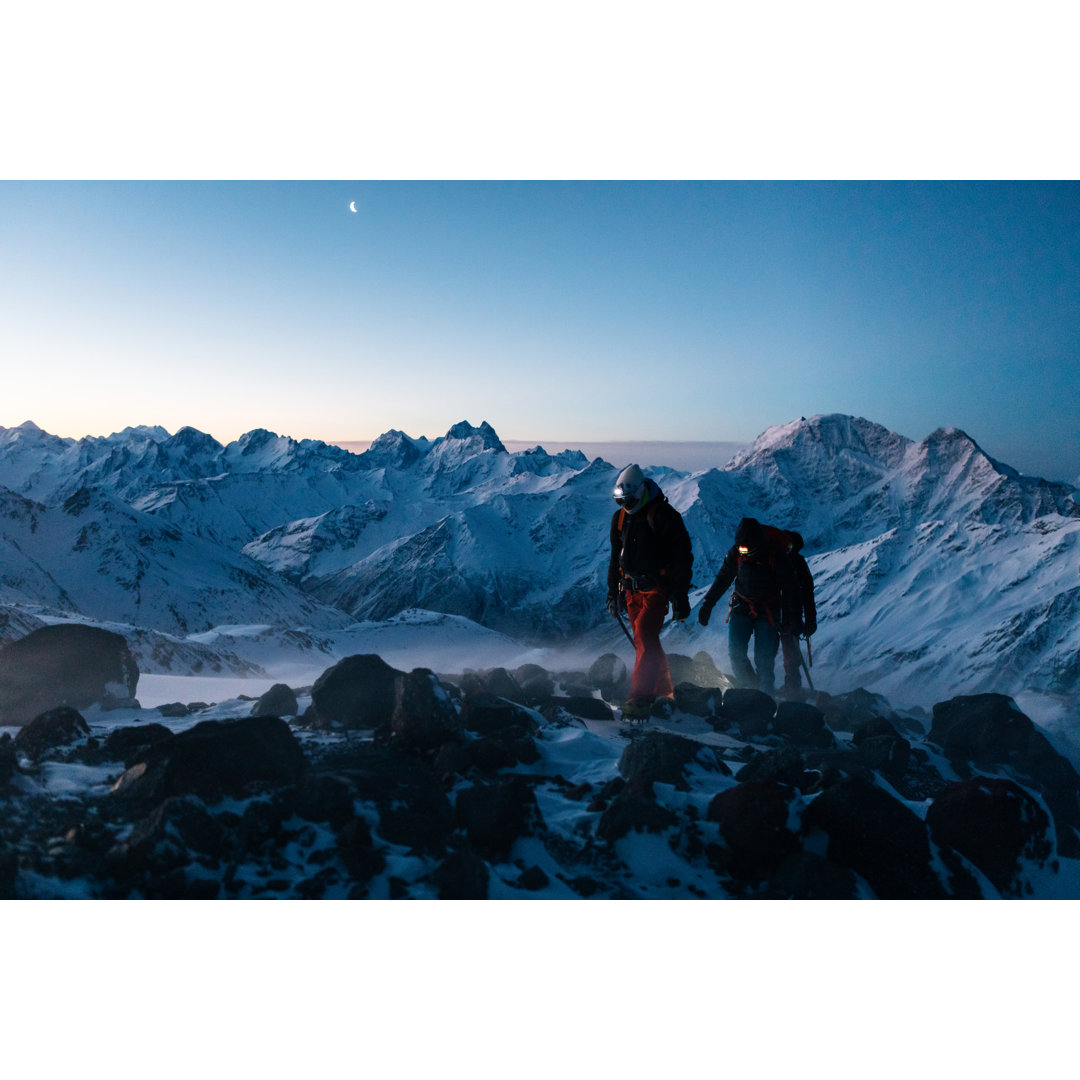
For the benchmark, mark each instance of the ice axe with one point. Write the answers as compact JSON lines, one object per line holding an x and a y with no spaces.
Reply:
{"x":806,"y":666}
{"x":629,"y":637}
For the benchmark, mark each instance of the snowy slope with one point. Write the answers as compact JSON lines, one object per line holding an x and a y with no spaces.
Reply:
{"x":96,"y":556}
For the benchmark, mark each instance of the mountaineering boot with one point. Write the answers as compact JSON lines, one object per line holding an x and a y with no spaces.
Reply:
{"x":791,"y":692}
{"x":636,"y":709}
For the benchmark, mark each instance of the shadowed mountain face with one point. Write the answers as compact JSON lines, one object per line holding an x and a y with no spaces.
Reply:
{"x":938,"y":569}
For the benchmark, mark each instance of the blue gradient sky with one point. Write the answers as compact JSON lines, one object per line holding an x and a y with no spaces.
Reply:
{"x":556,"y":311}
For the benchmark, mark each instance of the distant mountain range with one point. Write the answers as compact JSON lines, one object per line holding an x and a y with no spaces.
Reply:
{"x":939,"y":570}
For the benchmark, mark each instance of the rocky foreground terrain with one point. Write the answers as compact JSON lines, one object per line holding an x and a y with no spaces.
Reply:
{"x":525,"y":784}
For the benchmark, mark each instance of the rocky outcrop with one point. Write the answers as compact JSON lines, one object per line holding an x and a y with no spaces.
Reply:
{"x":409,"y":785}
{"x":755,"y":824}
{"x":995,"y":823}
{"x":214,"y":759}
{"x":988,"y":733}
{"x":52,"y":729}
{"x":279,"y":700}
{"x":64,"y":665}
{"x":356,"y":693}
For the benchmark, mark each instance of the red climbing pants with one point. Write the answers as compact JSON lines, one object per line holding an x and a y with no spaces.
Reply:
{"x":652,"y":677}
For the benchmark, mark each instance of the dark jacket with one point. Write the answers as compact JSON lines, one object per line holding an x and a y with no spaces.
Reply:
{"x":651,"y":548}
{"x":765,"y":582}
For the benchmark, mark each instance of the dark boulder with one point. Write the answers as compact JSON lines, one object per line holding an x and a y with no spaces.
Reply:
{"x":324,"y":796}
{"x":803,"y":724}
{"x":661,"y":757}
{"x":996,"y":824}
{"x":486,"y":713}
{"x":585,"y":708}
{"x":462,"y":875}
{"x":494,"y":815}
{"x":751,"y":711}
{"x":698,"y":670}
{"x":882,"y":748}
{"x":845,"y":712}
{"x":216,"y":758}
{"x":423,"y":824}
{"x":503,"y":749}
{"x":452,"y":759}
{"x":501,"y":683}
{"x":989,"y":733}
{"x":356,"y":693}
{"x":878,"y":837}
{"x":356,"y":847}
{"x":536,"y":683}
{"x":50,"y":731}
{"x":886,"y":755}
{"x":279,"y":700}
{"x":633,"y":809}
{"x":699,"y":700}
{"x":170,"y":836}
{"x":66,"y":664}
{"x":260,"y":831}
{"x":610,"y":676}
{"x":784,"y":765}
{"x":755,"y":823}
{"x":406,"y":790}
{"x":533,"y":879}
{"x":127,"y":744}
{"x":806,"y":876}
{"x":424,"y":715}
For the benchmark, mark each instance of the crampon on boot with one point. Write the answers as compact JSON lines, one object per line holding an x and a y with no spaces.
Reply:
{"x":637,"y":709}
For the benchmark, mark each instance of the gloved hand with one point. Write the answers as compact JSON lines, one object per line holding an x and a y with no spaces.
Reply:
{"x":613,"y":604}
{"x":705,"y":611}
{"x":680,"y":606}
{"x":810,"y":625}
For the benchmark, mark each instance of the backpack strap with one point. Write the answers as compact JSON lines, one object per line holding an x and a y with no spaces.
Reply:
{"x":624,"y":529}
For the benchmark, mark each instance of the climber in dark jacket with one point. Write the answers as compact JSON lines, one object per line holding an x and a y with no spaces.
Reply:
{"x":763,"y":602}
{"x":802,"y":623}
{"x":650,"y":566}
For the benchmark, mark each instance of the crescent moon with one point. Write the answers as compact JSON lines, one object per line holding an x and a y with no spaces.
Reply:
{"x":352,"y":206}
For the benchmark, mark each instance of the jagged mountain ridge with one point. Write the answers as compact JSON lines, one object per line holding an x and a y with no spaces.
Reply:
{"x":934,"y":562}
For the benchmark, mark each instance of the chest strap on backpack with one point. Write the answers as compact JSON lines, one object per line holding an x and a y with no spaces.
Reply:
{"x":738,"y":598}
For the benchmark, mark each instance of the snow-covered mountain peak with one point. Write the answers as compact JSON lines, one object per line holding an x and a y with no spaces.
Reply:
{"x":260,"y":448}
{"x":948,"y":474}
{"x":265,"y":451}
{"x":142,"y":433}
{"x":823,"y":440}
{"x":465,"y":457}
{"x":28,"y":434}
{"x":195,"y":440}
{"x":484,"y":434}
{"x":395,"y":450}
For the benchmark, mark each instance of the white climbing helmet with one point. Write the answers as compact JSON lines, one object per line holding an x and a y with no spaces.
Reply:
{"x":629,"y":490}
